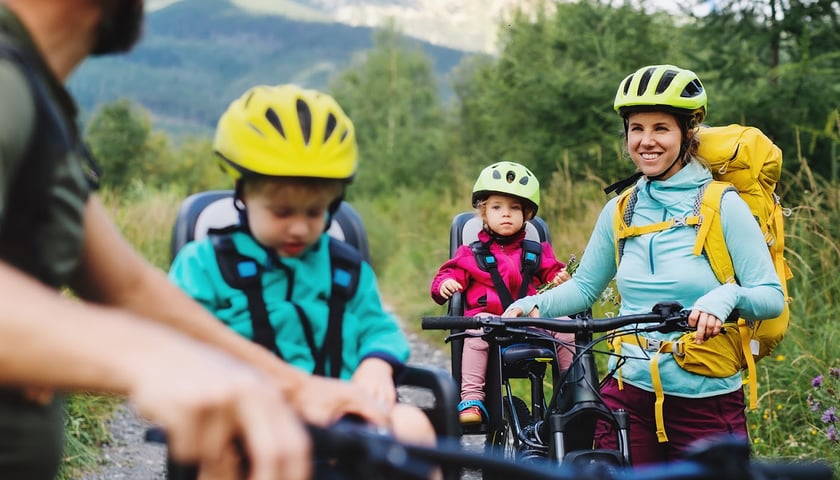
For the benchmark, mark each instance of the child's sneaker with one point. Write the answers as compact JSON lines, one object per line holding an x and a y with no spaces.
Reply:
{"x":471,"y":412}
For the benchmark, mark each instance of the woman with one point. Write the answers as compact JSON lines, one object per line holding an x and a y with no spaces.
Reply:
{"x":662,"y":107}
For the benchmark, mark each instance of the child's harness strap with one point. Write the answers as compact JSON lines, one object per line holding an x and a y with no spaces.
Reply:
{"x":529,"y":265}
{"x":346,"y":264}
{"x":244,"y":273}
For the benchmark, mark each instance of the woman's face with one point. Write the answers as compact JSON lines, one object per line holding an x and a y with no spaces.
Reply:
{"x":503,"y":214}
{"x":654,"y":140}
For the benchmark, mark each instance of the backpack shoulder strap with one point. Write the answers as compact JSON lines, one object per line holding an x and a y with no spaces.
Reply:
{"x":529,"y":264}
{"x":487,"y":262}
{"x":621,"y":219}
{"x":345,"y":266}
{"x":710,"y":231}
{"x":244,"y":273}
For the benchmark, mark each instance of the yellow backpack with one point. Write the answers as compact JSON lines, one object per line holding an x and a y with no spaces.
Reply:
{"x":744,"y":159}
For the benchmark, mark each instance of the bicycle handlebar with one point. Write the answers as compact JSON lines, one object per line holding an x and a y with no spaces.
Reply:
{"x":349,"y":450}
{"x":723,"y":459}
{"x":665,"y":317}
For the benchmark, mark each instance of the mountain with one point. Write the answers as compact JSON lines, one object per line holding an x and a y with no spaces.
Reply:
{"x":468,"y":25}
{"x":198,"y":55}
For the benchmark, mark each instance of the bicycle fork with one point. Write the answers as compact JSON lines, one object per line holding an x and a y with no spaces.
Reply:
{"x":575,"y":411}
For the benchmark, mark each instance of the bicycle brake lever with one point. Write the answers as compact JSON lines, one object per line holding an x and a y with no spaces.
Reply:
{"x":459,"y":335}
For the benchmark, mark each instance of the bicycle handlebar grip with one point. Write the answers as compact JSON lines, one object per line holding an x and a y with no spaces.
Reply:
{"x":449,"y":323}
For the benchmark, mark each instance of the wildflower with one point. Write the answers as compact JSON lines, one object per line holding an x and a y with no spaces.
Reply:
{"x":812,"y":402}
{"x":823,"y":401}
{"x":572,"y":264}
{"x":780,"y":358}
{"x":829,"y":416}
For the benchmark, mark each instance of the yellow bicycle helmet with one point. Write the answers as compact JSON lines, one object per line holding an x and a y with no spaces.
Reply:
{"x":662,"y":86}
{"x":508,"y":178}
{"x":286,"y":131}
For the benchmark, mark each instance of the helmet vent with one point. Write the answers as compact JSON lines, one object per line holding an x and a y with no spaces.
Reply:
{"x":693,"y":89}
{"x":627,"y":84}
{"x":274,"y":120}
{"x":523,"y":181}
{"x":510,"y":176}
{"x":331,"y":123}
{"x":497,"y":175}
{"x":643,"y":82}
{"x":305,"y":119}
{"x":665,"y":81}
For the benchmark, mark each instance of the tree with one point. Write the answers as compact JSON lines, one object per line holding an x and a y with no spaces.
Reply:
{"x":391,"y":95}
{"x":548,"y":96}
{"x":117,"y":135}
{"x":774,"y":64}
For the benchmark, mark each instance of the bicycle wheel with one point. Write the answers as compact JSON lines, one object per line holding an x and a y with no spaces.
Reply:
{"x":504,"y":441}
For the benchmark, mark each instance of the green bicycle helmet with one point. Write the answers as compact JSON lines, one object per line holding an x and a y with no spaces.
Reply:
{"x":508,"y":178}
{"x":667,"y":87}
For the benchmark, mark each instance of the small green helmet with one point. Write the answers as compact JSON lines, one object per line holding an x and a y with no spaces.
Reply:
{"x":668,"y":87}
{"x":508,"y":178}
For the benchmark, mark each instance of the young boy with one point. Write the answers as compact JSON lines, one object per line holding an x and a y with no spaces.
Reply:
{"x":292,"y":152}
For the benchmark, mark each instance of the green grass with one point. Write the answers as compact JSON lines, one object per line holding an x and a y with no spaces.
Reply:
{"x":85,"y":428}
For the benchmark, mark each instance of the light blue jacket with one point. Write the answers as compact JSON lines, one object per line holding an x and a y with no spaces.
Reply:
{"x":368,"y":331}
{"x":660,"y":267}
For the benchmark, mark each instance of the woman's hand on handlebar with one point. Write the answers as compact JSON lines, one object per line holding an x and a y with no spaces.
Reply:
{"x":513,"y":312}
{"x":708,"y":325}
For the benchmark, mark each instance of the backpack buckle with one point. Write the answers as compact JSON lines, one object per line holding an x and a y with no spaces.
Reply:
{"x":652,"y":344}
{"x":678,"y":221}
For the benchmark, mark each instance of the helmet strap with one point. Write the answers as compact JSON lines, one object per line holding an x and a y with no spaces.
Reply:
{"x":239,"y":205}
{"x":503,"y":239}
{"x":334,"y":206}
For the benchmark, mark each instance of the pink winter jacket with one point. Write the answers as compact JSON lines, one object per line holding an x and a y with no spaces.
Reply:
{"x":479,"y":293}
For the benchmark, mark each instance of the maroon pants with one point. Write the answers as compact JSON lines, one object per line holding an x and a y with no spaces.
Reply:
{"x":686,"y":420}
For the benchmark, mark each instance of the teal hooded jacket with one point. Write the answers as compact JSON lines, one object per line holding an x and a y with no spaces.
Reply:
{"x":367,"y":329}
{"x":660,"y":266}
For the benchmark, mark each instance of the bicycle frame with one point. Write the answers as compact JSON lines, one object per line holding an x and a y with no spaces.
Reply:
{"x":561,"y":430}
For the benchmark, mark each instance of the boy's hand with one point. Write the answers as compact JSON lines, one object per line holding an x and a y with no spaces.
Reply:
{"x":376,"y":377}
{"x":322,"y":401}
{"x":449,"y":287}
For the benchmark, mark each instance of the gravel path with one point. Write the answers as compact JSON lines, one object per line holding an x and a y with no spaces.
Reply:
{"x":128,"y":456}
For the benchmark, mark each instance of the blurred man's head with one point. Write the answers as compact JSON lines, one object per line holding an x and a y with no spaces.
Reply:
{"x":120,"y":26}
